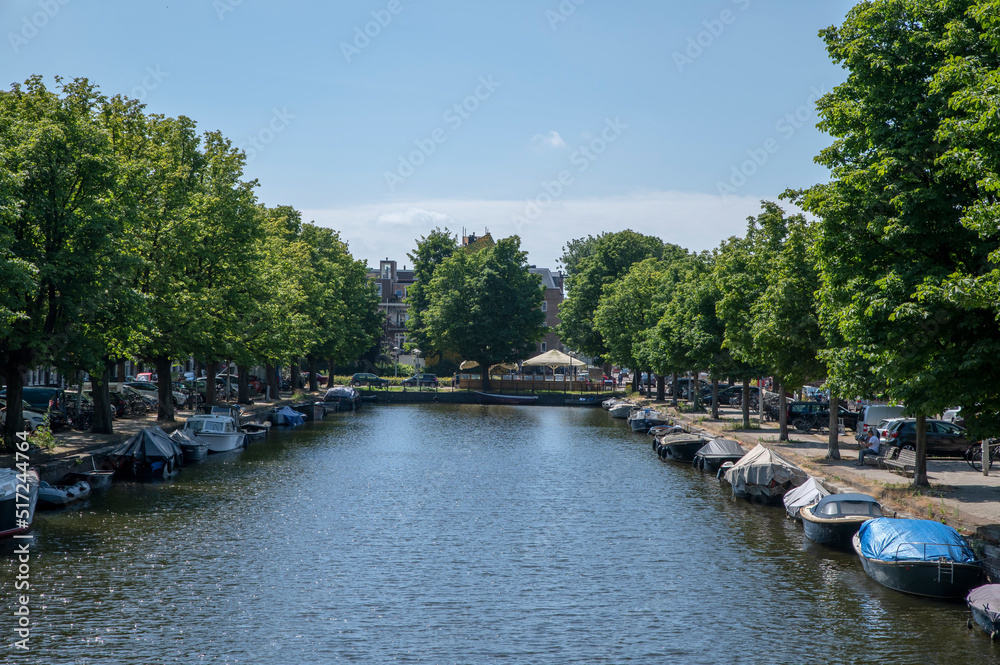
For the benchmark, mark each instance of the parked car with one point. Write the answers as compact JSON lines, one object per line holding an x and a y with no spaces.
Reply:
{"x":30,"y":418}
{"x":151,"y":391}
{"x":421,"y":380}
{"x":943,"y":438}
{"x":369,"y":379}
{"x":732,"y":391}
{"x":870,"y":417}
{"x":797,"y":410}
{"x":150,"y":377}
{"x":39,"y":398}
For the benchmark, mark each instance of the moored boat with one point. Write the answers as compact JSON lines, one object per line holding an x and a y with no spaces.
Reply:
{"x":57,"y":496}
{"x":806,"y":494}
{"x":194,"y":450}
{"x":919,"y":557}
{"x":18,"y":498}
{"x":763,"y":476}
{"x":146,"y":455}
{"x":621,"y":410}
{"x":345,"y":397}
{"x":256,"y":432}
{"x":984,"y":604}
{"x":219,"y":432}
{"x":640,"y":420}
{"x":680,"y":447}
{"x":588,"y":400}
{"x":717,"y":452}
{"x":284,"y":415}
{"x":492,"y":398}
{"x":835,"y":518}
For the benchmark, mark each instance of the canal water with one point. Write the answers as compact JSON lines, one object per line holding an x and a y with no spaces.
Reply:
{"x":456,"y":534}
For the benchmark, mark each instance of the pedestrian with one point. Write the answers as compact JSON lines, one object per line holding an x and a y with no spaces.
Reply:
{"x":871,"y":449}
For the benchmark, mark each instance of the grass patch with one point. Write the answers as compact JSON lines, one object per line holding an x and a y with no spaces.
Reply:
{"x":738,"y":427}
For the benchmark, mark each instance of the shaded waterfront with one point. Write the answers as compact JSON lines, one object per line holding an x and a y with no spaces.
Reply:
{"x":459,"y":534}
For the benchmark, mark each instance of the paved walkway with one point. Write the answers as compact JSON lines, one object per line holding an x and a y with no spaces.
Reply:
{"x":959,"y":495}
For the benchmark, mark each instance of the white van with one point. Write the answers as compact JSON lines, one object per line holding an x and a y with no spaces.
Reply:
{"x":870,"y":417}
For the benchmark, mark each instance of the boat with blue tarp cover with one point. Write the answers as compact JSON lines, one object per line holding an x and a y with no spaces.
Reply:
{"x":835,"y":518}
{"x":920,"y":557}
{"x":984,"y":603}
{"x":286,"y":416}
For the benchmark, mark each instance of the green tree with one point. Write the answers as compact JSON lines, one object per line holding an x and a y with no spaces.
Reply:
{"x":902,"y":222}
{"x":59,"y":177}
{"x":592,"y":264}
{"x":432,"y":250}
{"x":486,"y":306}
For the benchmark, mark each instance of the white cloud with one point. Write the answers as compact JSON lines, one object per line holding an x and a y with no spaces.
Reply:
{"x":691,"y":220}
{"x":413,"y":217}
{"x":552,"y":140}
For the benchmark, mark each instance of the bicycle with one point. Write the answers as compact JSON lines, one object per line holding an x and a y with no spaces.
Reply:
{"x":974,"y":454}
{"x":810,"y":422}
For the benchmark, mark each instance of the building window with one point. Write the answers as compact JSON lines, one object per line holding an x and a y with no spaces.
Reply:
{"x":378,"y":288}
{"x":545,"y":306}
{"x":543,"y":347}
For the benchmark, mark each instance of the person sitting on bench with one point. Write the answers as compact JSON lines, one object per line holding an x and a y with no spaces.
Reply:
{"x":872,"y":449}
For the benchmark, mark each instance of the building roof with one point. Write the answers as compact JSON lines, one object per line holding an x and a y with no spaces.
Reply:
{"x":547,"y":279}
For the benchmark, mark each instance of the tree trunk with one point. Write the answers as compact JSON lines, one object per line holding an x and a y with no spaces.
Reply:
{"x":210,"y":396}
{"x":661,"y":387}
{"x":673,"y":389}
{"x":833,"y":444}
{"x":636,"y":375}
{"x":243,"y":384}
{"x":920,"y":470}
{"x":329,"y":380}
{"x":15,"y":392}
{"x":101,"y":394}
{"x":165,"y":392}
{"x":484,"y":371}
{"x":746,"y":404}
{"x":271,"y":380}
{"x":782,"y":412}
{"x":696,"y":390}
{"x":296,"y":375}
{"x":120,"y":370}
{"x":313,"y":383}
{"x":715,"y":398}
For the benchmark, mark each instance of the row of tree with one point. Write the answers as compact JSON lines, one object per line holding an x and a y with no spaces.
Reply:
{"x":125,"y":234}
{"x":893,"y":288}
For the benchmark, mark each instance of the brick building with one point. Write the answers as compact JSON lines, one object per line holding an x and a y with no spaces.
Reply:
{"x":553,"y":282}
{"x":392,"y":285}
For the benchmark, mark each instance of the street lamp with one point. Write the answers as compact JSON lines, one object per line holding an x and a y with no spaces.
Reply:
{"x":416,"y":358}
{"x":395,"y":359}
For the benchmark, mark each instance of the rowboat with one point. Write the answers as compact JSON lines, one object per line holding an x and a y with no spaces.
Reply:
{"x":492,"y":398}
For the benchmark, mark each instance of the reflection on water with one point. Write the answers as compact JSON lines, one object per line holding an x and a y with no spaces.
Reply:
{"x":458,"y":534}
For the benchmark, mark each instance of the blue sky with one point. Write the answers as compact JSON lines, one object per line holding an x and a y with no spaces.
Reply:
{"x":553,"y":120}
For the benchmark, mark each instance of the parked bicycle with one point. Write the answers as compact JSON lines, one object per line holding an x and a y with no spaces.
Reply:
{"x":974,"y":454}
{"x":810,"y":422}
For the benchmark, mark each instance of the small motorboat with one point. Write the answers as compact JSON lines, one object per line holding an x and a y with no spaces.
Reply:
{"x":806,"y":494}
{"x":640,"y":420}
{"x":256,"y":432}
{"x":984,"y":604}
{"x":311,"y":411}
{"x":663,"y":430}
{"x":98,"y":479}
{"x":147,"y":455}
{"x":610,"y":402}
{"x":57,"y":496}
{"x":835,"y":518}
{"x":763,"y":476}
{"x":680,"y":447}
{"x":919,"y":557}
{"x":511,"y":400}
{"x":346,"y":398}
{"x":622,"y":409}
{"x":717,"y":452}
{"x":18,"y":498}
{"x":286,"y":416}
{"x":194,"y":449}
{"x":219,"y":432}
{"x":589,"y":400}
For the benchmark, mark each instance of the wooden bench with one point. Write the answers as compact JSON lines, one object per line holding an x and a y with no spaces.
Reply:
{"x":904,"y":463}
